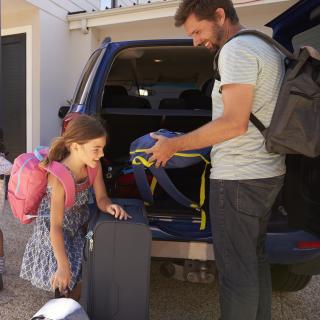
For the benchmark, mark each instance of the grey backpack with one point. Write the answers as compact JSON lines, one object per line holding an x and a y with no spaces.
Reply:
{"x":295,"y":124}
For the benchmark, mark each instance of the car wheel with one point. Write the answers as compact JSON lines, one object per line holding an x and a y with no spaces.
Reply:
{"x":284,"y":280}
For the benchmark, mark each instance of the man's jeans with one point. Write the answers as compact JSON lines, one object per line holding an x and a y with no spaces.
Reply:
{"x":239,"y":211}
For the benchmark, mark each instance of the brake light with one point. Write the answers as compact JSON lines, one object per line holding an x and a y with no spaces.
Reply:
{"x":308,"y":245}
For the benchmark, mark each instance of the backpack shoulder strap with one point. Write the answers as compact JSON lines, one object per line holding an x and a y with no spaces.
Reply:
{"x":92,"y":173}
{"x":257,"y":123}
{"x":142,"y":183}
{"x":166,"y":183}
{"x":260,"y":35}
{"x":163,"y":180}
{"x":267,"y":39}
{"x":62,"y":173}
{"x":40,"y":152}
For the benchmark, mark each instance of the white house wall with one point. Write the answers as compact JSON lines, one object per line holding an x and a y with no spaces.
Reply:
{"x":257,"y":16}
{"x":146,"y":29}
{"x":81,"y":47}
{"x":251,"y":17}
{"x":54,"y":57}
{"x":63,"y":56}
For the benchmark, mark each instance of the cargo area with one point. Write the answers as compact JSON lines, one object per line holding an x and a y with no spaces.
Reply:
{"x":149,"y":88}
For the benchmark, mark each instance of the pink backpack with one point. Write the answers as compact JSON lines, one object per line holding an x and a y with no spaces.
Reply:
{"x":28,"y":182}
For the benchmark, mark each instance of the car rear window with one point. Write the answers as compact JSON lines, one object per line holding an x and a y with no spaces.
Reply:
{"x":86,"y":74}
{"x":158,"y":78}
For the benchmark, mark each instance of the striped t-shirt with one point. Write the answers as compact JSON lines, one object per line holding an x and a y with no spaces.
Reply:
{"x":248,"y":60}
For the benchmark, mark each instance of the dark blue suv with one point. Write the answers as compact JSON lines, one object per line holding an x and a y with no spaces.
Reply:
{"x":142,"y":86}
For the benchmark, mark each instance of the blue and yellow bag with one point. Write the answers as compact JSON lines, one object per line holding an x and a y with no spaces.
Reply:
{"x":140,"y":161}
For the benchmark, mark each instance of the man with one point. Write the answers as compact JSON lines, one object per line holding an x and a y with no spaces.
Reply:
{"x":245,"y":178}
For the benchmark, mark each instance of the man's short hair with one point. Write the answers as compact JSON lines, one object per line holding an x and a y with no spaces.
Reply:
{"x":204,"y":10}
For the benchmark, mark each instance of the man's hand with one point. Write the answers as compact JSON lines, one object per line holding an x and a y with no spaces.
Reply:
{"x":162,"y":150}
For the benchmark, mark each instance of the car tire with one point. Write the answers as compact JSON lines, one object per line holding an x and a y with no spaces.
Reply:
{"x":284,"y":280}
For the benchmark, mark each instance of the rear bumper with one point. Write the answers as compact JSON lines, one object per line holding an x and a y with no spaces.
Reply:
{"x":282,"y":248}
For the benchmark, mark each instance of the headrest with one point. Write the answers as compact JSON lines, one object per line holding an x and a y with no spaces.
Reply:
{"x":190,"y":93}
{"x":115,"y":89}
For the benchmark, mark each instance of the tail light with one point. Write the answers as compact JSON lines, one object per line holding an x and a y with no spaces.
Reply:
{"x":308,"y":245}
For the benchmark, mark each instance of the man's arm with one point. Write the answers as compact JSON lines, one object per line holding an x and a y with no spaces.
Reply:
{"x":237,"y":101}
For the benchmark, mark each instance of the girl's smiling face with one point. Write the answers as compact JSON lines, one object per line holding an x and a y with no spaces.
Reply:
{"x":91,"y":151}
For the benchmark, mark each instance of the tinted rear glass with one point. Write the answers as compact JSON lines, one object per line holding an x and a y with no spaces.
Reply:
{"x":85,"y":76}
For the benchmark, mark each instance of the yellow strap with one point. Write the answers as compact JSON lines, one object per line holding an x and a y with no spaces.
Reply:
{"x":203,"y":220}
{"x":203,"y":186}
{"x":153,"y":184}
{"x":141,"y":160}
{"x":178,"y":154}
{"x":191,"y":155}
{"x":138,"y":151}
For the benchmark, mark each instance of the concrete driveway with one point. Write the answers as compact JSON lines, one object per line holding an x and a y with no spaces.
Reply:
{"x":169,"y":299}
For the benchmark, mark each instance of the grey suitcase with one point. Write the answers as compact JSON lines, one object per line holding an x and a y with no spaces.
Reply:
{"x":116,"y":266}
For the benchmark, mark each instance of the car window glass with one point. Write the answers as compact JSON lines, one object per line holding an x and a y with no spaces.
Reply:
{"x":156,"y":77}
{"x":85,"y":76}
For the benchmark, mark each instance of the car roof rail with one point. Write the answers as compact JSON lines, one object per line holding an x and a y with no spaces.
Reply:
{"x":105,"y":41}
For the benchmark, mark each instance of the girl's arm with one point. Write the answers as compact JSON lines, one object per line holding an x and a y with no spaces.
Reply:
{"x":103,"y":201}
{"x":61,"y":279}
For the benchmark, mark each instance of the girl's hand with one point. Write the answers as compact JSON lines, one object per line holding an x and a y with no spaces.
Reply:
{"x":118,"y":212}
{"x":61,"y":279}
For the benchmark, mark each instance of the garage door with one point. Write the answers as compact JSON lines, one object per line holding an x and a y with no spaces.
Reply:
{"x":14,"y":93}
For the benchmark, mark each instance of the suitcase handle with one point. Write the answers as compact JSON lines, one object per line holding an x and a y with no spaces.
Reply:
{"x":58,"y":295}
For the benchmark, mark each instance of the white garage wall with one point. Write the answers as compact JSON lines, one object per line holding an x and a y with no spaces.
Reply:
{"x":81,"y":47}
{"x":250,"y":16}
{"x":63,"y":54}
{"x":54,"y":64}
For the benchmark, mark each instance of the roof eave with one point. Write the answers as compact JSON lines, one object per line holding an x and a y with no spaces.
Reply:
{"x":141,"y":12}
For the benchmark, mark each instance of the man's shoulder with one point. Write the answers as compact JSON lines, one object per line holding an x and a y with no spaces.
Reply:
{"x":250,"y":45}
{"x":246,"y":42}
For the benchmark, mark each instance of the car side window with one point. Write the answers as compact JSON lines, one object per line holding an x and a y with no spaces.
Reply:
{"x":86,"y":74}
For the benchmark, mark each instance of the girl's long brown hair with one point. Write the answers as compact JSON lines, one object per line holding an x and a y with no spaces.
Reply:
{"x":81,"y":130}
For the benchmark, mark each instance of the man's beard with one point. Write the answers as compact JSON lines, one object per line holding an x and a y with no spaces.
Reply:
{"x":214,"y":49}
{"x":219,"y":33}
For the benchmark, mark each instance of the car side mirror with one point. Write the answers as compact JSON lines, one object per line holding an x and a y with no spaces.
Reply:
{"x":63,"y":110}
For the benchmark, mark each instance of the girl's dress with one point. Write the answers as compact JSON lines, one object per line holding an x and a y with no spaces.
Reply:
{"x":39,"y":263}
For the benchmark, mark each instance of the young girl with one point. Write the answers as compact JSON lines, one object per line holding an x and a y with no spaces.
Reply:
{"x":53,"y":255}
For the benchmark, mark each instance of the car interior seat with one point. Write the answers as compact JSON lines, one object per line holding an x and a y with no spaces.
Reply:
{"x":195,"y":99}
{"x":172,"y":103}
{"x":116,"y":96}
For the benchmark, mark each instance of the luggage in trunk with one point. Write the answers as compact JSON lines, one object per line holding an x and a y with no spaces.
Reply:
{"x":116,"y":266}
